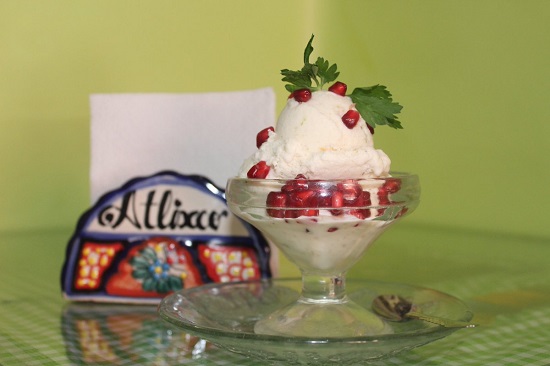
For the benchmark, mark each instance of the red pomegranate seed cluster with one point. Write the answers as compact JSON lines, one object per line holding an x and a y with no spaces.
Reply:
{"x":303,"y":197}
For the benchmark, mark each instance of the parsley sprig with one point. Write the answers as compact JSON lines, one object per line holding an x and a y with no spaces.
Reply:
{"x":320,"y":73}
{"x":374,"y":103}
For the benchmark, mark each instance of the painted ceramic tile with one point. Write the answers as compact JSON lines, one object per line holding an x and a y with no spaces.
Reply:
{"x":156,"y":235}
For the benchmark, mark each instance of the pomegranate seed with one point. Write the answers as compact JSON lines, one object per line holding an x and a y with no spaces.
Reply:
{"x":360,"y":213}
{"x":363,"y":200}
{"x":297,"y":184}
{"x":259,"y":170}
{"x":262,"y":136}
{"x":300,"y":182}
{"x":371,"y":129}
{"x":358,"y":202}
{"x":324,"y":198}
{"x":383,"y":198}
{"x":392,"y":185}
{"x":301,"y":198}
{"x":338,"y":88}
{"x":302,"y":95}
{"x":351,"y":118}
{"x":292,"y":214}
{"x":276,"y":199}
{"x":337,"y":201}
{"x":366,"y":198}
{"x":323,"y":193}
{"x":350,"y":189}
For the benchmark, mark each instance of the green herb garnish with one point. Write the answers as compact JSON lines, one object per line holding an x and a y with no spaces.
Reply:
{"x":376,"y":106}
{"x":320,"y":73}
{"x":374,"y":103}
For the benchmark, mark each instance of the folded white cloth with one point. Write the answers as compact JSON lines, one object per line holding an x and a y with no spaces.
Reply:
{"x":210,"y":134}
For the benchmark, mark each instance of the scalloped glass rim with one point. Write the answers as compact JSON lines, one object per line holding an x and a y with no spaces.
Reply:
{"x":204,"y":331}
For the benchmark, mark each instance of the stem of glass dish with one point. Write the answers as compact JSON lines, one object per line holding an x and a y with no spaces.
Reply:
{"x":323,"y":289}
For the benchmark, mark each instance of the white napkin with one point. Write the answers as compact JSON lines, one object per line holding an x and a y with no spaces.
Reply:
{"x":210,"y":134}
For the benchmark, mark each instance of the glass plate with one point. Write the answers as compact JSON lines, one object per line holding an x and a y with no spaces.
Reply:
{"x":224,"y":314}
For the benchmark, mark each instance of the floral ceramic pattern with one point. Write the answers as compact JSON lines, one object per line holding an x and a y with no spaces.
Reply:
{"x":159,"y":267}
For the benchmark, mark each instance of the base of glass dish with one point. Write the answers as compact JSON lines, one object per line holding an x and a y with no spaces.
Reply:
{"x":226,"y":315}
{"x":305,"y":318}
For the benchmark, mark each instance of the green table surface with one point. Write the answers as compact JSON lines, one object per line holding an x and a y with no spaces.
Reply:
{"x":505,"y":280}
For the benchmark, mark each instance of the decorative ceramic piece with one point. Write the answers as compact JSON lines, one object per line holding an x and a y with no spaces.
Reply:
{"x":156,"y":235}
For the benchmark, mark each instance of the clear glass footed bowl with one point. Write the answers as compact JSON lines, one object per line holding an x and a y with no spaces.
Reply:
{"x":324,"y":227}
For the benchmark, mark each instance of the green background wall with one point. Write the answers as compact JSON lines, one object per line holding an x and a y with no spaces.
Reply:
{"x":474,"y":78}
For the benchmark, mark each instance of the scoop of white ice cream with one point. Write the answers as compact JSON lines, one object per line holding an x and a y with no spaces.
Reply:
{"x":311,"y":139}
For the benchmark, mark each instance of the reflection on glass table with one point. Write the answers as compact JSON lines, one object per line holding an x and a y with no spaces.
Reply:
{"x":100,"y":333}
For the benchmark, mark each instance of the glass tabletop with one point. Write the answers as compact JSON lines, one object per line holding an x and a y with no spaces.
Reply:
{"x":505,"y":280}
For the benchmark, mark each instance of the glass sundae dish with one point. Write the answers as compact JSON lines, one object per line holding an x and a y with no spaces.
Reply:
{"x":324,"y":227}
{"x":318,"y":190}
